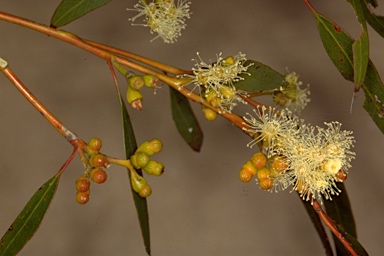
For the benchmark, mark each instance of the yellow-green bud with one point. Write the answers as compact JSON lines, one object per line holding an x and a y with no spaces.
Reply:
{"x":146,"y":191}
{"x":209,"y":114}
{"x":138,"y":182}
{"x":150,"y":81}
{"x":154,"y":168}
{"x":139,"y":160}
{"x":249,"y":166}
{"x":136,"y":82}
{"x":134,"y":98}
{"x":150,"y":147}
{"x":228,"y":61}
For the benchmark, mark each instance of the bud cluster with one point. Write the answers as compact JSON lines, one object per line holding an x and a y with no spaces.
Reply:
{"x":141,"y":160}
{"x":94,"y":171}
{"x":135,"y":83}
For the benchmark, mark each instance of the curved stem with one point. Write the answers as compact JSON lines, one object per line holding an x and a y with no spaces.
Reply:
{"x":103,"y":53}
{"x":163,"y":67}
{"x":332,"y":226}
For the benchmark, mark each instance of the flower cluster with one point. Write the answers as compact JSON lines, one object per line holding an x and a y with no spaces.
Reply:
{"x":292,"y":96}
{"x":314,"y":158}
{"x":163,"y":17}
{"x":216,"y":80}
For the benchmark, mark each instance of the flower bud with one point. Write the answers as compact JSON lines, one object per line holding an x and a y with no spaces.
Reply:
{"x":209,"y":114}
{"x":150,"y":147}
{"x":263,"y":173}
{"x":98,"y":160}
{"x":154,"y":168}
{"x":93,"y":146}
{"x":151,"y":81}
{"x":245,"y":175}
{"x":82,"y":197}
{"x":135,"y":82}
{"x":98,"y":175}
{"x":138,"y":182}
{"x":228,"y":61}
{"x":249,"y":167}
{"x":139,"y":160}
{"x":266,"y":183}
{"x":134,"y":98}
{"x":146,"y":191}
{"x":259,"y":160}
{"x":82,"y":184}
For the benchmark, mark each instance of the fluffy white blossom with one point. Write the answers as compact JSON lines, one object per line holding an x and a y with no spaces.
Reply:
{"x":216,"y":80}
{"x":314,"y":156}
{"x":163,"y":17}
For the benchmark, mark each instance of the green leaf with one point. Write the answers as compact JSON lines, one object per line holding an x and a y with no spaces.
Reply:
{"x":318,"y":226}
{"x":361,"y":58}
{"x":70,"y":10}
{"x":338,"y":45}
{"x":185,"y":120}
{"x":25,"y":225}
{"x":130,"y":147}
{"x":339,"y":209}
{"x":261,"y":77}
{"x":374,"y":96}
{"x":360,"y":47}
{"x":376,"y":21}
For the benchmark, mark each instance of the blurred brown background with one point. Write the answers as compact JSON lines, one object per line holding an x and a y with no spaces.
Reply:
{"x":198,"y":207}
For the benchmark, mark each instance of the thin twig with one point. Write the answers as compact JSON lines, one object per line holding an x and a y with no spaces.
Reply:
{"x":332,"y":226}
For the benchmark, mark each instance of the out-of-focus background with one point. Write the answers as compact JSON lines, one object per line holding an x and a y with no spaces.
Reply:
{"x":198,"y":206}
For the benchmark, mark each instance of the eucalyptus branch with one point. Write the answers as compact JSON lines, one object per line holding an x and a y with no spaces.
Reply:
{"x":333,"y":227}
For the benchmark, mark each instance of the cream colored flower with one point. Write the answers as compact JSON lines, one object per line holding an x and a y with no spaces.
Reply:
{"x":216,"y":80}
{"x":163,"y":17}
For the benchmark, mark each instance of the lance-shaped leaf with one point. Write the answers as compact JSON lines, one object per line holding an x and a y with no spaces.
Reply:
{"x":338,"y":45}
{"x":130,"y":147}
{"x":339,"y":209}
{"x":360,"y":47}
{"x":376,"y":21}
{"x":70,"y":10}
{"x":25,"y":225}
{"x":319,"y":227}
{"x":260,"y":77}
{"x":374,"y":96}
{"x":185,"y":120}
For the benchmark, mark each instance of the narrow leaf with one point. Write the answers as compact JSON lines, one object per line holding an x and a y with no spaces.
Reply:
{"x":319,"y":227}
{"x":260,"y":77}
{"x":130,"y":147}
{"x":361,"y":46}
{"x":338,"y":45}
{"x":376,"y":21}
{"x":25,"y":225}
{"x":374,"y":96}
{"x":361,"y":58}
{"x":185,"y":120}
{"x":70,"y":10}
{"x":339,"y":209}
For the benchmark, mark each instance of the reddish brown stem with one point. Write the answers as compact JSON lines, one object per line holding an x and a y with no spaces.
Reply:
{"x":163,"y":67}
{"x":332,"y":226}
{"x":67,"y":134}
